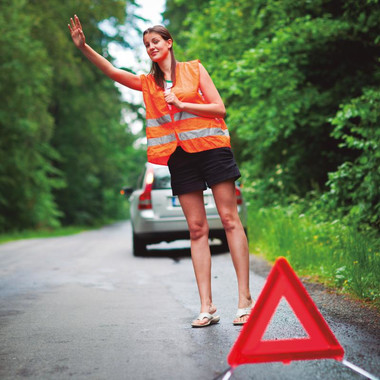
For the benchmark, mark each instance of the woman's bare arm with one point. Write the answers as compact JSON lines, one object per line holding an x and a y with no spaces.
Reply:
{"x":124,"y":77}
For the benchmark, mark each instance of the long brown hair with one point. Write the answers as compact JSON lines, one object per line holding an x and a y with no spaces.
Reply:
{"x":155,"y":70}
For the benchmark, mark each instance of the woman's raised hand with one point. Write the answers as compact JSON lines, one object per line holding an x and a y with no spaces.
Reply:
{"x":76,"y":32}
{"x":122,"y":76}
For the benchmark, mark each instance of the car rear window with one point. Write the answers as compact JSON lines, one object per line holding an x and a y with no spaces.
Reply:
{"x":161,"y":178}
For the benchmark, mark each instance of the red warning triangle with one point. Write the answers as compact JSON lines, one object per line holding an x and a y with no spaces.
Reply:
{"x":320,"y":343}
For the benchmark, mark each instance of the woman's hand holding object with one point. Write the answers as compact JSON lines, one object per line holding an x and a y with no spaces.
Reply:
{"x":171,"y":99}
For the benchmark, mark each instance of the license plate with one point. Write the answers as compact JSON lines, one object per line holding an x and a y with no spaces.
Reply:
{"x":175,"y":202}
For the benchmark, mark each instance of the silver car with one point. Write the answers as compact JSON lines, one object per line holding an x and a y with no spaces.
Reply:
{"x":156,"y":215}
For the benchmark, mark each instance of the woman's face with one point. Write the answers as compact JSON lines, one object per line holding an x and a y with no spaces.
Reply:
{"x":156,"y":47}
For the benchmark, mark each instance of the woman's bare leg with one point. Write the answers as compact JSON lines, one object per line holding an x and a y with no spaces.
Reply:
{"x":226,"y":202}
{"x":194,"y":210}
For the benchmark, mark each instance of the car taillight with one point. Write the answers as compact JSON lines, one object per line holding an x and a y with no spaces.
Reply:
{"x":239,"y":196}
{"x":145,"y":199}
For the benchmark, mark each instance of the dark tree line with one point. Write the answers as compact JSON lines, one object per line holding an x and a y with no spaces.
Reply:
{"x":65,"y":151}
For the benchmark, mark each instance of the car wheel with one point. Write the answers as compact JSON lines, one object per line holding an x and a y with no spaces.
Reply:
{"x":224,"y":245}
{"x":139,"y":246}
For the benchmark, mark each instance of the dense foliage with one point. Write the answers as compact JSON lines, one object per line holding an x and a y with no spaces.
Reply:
{"x":300,"y":81}
{"x":65,"y":151}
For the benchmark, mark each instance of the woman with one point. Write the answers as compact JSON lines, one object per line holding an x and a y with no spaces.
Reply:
{"x":186,"y":131}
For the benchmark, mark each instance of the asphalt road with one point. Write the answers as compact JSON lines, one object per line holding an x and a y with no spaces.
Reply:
{"x":82,"y":307}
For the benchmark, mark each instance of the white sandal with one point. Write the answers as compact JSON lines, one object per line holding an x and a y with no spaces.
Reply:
{"x":240,"y":313}
{"x":211,"y":319}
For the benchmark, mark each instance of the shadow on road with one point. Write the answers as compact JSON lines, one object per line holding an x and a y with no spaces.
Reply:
{"x":177,"y":253}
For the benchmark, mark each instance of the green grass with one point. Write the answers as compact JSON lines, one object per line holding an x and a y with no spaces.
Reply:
{"x":329,"y":252}
{"x":43,"y":233}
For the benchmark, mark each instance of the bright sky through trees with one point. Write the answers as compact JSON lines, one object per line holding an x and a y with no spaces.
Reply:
{"x":137,"y":58}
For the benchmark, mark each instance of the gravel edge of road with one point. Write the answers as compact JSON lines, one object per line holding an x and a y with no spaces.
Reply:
{"x":340,"y":306}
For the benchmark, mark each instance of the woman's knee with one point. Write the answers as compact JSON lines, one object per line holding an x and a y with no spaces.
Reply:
{"x":229,"y":220}
{"x":198,"y":230}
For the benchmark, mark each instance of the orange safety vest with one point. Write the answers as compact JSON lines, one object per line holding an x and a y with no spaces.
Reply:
{"x":166,"y":128}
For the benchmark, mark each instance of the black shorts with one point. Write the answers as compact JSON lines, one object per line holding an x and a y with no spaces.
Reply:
{"x":195,"y":171}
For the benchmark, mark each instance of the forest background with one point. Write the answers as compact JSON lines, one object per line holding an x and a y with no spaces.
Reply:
{"x":300,"y":81}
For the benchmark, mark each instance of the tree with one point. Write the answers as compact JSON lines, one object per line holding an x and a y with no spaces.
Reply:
{"x":64,"y":146}
{"x":354,"y":189}
{"x":89,"y":134}
{"x":27,"y":177}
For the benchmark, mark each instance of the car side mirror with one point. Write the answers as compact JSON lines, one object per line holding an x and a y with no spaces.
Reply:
{"x":126,"y":191}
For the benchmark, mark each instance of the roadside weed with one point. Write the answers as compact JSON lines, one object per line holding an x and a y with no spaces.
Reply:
{"x":335,"y":254}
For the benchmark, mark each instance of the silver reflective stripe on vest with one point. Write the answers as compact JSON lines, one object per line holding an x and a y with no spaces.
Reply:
{"x":161,"y":140}
{"x":203,"y":133}
{"x":184,"y":115}
{"x":157,"y":122}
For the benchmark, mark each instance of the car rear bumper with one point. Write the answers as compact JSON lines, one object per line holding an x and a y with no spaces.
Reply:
{"x":153,"y":229}
{"x":157,"y":237}
{"x":147,"y":223}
